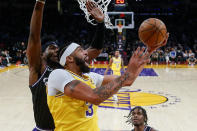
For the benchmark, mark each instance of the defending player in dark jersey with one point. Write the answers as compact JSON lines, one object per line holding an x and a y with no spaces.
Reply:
{"x":40,"y":57}
{"x":138,"y":118}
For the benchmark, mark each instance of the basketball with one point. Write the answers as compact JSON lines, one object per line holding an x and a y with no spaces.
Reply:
{"x":152,"y":32}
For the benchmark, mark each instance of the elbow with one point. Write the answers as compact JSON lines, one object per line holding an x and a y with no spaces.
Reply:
{"x":97,"y":103}
{"x":34,"y":37}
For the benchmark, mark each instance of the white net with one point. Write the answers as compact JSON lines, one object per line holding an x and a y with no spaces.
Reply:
{"x":120,"y":27}
{"x":102,"y":4}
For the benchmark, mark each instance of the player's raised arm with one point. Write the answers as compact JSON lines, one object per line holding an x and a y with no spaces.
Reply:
{"x":98,"y":40}
{"x":34,"y":41}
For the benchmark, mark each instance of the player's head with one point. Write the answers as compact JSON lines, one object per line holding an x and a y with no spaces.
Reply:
{"x":117,"y":53}
{"x":50,"y":51}
{"x":49,"y":48}
{"x":137,"y":116}
{"x":74,"y":54}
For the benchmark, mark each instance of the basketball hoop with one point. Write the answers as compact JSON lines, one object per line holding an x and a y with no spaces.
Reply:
{"x":102,"y":4}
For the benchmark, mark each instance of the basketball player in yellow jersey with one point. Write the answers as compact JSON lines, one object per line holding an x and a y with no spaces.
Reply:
{"x":116,"y":63}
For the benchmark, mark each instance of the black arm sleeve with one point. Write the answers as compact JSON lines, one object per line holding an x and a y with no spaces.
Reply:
{"x":98,"y":40}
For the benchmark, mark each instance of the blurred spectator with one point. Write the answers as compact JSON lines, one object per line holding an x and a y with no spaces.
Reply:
{"x":192,"y":60}
{"x":154,"y":58}
{"x":3,"y":60}
{"x":167,"y":58}
{"x":196,"y":53}
{"x":190,"y":53}
{"x":173,"y":56}
{"x":22,"y":50}
{"x":185,"y":56}
{"x":179,"y":56}
{"x":7,"y":57}
{"x":161,"y":56}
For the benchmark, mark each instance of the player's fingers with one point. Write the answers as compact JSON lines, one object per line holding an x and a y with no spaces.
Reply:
{"x":136,"y":51}
{"x":88,"y":6}
{"x":146,"y":61}
{"x":140,"y":53}
{"x":146,"y":55}
{"x":91,"y":4}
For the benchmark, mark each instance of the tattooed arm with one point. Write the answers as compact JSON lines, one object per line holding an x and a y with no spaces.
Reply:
{"x":82,"y":91}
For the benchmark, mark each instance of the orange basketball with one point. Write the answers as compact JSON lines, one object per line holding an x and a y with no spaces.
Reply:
{"x":152,"y":32}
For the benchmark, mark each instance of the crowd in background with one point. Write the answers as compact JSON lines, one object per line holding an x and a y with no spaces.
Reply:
{"x":165,"y":55}
{"x":13,"y":55}
{"x":16,"y":54}
{"x":14,"y":30}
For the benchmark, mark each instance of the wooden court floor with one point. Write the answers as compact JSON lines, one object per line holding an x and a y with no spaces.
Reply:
{"x":170,"y":99}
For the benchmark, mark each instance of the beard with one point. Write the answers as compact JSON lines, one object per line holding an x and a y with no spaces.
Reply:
{"x":82,"y":66}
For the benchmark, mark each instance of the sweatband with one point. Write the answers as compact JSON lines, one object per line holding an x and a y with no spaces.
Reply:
{"x":70,"y":49}
{"x":41,"y":1}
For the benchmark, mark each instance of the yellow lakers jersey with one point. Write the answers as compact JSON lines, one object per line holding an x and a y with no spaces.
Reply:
{"x":71,"y":114}
{"x":116,"y":65}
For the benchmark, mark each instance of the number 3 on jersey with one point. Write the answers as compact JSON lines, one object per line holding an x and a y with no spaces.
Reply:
{"x":89,"y":111}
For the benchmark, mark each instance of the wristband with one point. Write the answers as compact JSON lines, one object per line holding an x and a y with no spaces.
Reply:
{"x":41,"y":1}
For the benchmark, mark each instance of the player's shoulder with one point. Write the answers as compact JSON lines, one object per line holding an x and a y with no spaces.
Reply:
{"x":59,"y":73}
{"x":93,"y":75}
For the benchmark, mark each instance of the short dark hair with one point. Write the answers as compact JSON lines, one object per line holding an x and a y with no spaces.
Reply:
{"x":47,"y":41}
{"x":48,"y":44}
{"x":143,"y":113}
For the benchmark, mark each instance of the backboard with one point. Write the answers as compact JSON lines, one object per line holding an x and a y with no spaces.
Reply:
{"x":126,"y":19}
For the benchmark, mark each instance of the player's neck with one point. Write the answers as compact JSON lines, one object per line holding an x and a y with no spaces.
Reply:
{"x":139,"y":128}
{"x":75,"y":69}
{"x":44,"y":65}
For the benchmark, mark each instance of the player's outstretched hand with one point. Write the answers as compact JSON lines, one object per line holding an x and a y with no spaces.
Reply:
{"x":152,"y":49}
{"x":95,"y":12}
{"x":136,"y":63}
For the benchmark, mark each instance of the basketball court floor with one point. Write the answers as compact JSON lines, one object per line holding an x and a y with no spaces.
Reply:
{"x":169,"y":94}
